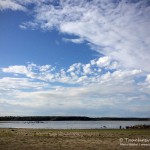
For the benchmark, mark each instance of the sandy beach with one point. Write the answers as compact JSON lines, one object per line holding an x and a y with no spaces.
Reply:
{"x":45,"y":139}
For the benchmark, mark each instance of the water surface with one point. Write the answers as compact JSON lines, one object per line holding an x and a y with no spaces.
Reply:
{"x":70,"y":124}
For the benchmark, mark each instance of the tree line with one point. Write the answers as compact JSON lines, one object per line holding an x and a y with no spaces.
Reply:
{"x":68,"y":118}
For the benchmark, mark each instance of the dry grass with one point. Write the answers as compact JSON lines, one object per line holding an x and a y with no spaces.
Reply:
{"x":44,"y":139}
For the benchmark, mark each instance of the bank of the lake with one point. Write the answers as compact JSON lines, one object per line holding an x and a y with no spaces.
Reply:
{"x":47,"y":139}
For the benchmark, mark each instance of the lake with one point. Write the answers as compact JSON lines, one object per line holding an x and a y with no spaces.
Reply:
{"x":70,"y":124}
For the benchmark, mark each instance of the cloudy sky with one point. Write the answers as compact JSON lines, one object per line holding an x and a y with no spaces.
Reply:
{"x":75,"y":57}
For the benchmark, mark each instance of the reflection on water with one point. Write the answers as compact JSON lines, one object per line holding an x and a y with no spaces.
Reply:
{"x":71,"y":124}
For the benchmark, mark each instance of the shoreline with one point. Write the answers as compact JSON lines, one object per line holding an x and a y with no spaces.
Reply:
{"x":70,"y":139}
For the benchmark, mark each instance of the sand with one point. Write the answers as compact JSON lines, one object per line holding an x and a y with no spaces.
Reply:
{"x":45,"y":139}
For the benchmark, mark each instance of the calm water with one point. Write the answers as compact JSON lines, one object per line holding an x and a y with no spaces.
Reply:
{"x":71,"y":124}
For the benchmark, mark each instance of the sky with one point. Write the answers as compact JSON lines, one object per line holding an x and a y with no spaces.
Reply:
{"x":75,"y":57}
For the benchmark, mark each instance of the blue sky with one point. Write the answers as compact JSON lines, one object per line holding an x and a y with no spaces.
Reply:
{"x":39,"y":46}
{"x":72,"y":57}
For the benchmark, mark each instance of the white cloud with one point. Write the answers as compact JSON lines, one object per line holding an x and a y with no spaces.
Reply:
{"x":125,"y":74}
{"x":19,"y":70}
{"x":45,"y":68}
{"x":117,"y":82}
{"x":84,"y":87}
{"x":103,"y":61}
{"x":77,"y":73}
{"x":77,"y":40}
{"x":31,"y":70}
{"x":11,"y":83}
{"x":118,"y":29}
{"x":148,"y":78}
{"x":31,"y":25}
{"x":87,"y":69}
{"x":15,"y":69}
{"x":114,"y":94}
{"x":11,"y":4}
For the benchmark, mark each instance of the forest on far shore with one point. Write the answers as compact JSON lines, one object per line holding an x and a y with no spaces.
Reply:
{"x":69,"y":118}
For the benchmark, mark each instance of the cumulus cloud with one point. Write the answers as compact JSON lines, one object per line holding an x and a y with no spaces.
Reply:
{"x":77,"y":73}
{"x":31,"y":70}
{"x":92,"y":87}
{"x":103,"y":61}
{"x":15,"y":69}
